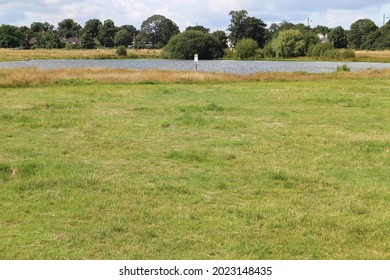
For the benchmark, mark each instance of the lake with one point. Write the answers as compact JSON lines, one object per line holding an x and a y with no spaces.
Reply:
{"x":229,"y":66}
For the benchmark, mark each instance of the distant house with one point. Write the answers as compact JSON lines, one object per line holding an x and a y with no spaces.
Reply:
{"x":323,"y":37}
{"x":32,"y":41}
{"x":73,"y":41}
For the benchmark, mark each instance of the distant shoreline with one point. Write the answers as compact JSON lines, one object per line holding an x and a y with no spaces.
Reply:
{"x":47,"y":54}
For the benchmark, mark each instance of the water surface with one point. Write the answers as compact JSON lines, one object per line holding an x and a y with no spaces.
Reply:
{"x":228,"y":66}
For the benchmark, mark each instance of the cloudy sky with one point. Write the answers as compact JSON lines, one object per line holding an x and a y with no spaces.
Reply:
{"x":213,"y":14}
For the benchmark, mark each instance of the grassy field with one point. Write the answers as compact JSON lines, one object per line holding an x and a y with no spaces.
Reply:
{"x":375,"y":56}
{"x":18,"y":55}
{"x":290,"y":168}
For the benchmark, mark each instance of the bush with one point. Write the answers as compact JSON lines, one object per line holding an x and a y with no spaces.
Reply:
{"x":121,"y":51}
{"x":228,"y":53}
{"x":343,"y":68}
{"x":246,"y":48}
{"x":188,"y":43}
{"x":331,"y":54}
{"x":268,"y":51}
{"x":319,"y":49}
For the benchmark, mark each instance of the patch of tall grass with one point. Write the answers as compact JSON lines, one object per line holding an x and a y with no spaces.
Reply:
{"x":43,"y":54}
{"x":34,"y":76}
{"x":373,"y":56}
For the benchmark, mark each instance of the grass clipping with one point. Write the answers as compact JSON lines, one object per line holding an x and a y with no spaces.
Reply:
{"x":33,"y":76}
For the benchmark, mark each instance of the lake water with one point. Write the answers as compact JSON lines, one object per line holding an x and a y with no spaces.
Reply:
{"x":229,"y":66}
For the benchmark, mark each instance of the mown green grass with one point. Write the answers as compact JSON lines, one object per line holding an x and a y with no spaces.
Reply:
{"x":277,"y":170}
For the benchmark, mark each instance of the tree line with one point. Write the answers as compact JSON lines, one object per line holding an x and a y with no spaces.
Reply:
{"x":248,"y":36}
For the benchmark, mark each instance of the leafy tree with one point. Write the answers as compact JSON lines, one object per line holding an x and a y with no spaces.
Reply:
{"x":255,"y":29}
{"x":274,"y":28}
{"x":68,"y":28}
{"x":360,"y":29}
{"x":91,"y":27}
{"x":237,"y":25}
{"x":185,"y":45}
{"x":107,"y":33}
{"x":310,"y":39}
{"x":87,"y":41}
{"x":246,"y":48}
{"x":321,"y":29}
{"x":108,"y":42}
{"x":286,"y":26}
{"x":38,"y":27}
{"x":378,"y":40}
{"x":242,"y":26}
{"x":319,"y":49}
{"x":289,"y":43}
{"x":123,"y":38}
{"x":131,"y":29}
{"x":49,"y":40}
{"x":26,"y":35}
{"x":158,"y":30}
{"x":10,"y":36}
{"x":198,"y":28}
{"x":221,"y":36}
{"x":338,"y":37}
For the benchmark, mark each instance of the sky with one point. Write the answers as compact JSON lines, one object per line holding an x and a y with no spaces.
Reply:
{"x":213,"y":14}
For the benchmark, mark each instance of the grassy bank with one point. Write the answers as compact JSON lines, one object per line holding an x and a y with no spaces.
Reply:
{"x":373,"y":56}
{"x":39,"y":54}
{"x":18,"y":55}
{"x":283,"y":169}
{"x":88,"y":76}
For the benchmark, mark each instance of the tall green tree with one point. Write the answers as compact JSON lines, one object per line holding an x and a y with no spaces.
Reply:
{"x":49,"y":40}
{"x":10,"y":36}
{"x":360,"y":30}
{"x":38,"y":27}
{"x":157,"y":30}
{"x":129,"y":28}
{"x":91,"y":27}
{"x":199,"y":28}
{"x":87,"y":41}
{"x":242,"y":26}
{"x":378,"y":40}
{"x":289,"y":43}
{"x":68,"y":28}
{"x":236,"y":28}
{"x":107,"y":33}
{"x":338,"y":37}
{"x":221,"y":36}
{"x":123,"y":38}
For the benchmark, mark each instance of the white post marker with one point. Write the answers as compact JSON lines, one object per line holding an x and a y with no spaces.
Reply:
{"x":196,"y":59}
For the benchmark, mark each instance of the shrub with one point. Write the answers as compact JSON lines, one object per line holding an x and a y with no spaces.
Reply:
{"x":331,"y":54}
{"x":268,"y":51}
{"x":319,"y":49}
{"x":121,"y":51}
{"x":188,"y":43}
{"x":246,"y":48}
{"x":343,"y":68}
{"x":228,"y":53}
